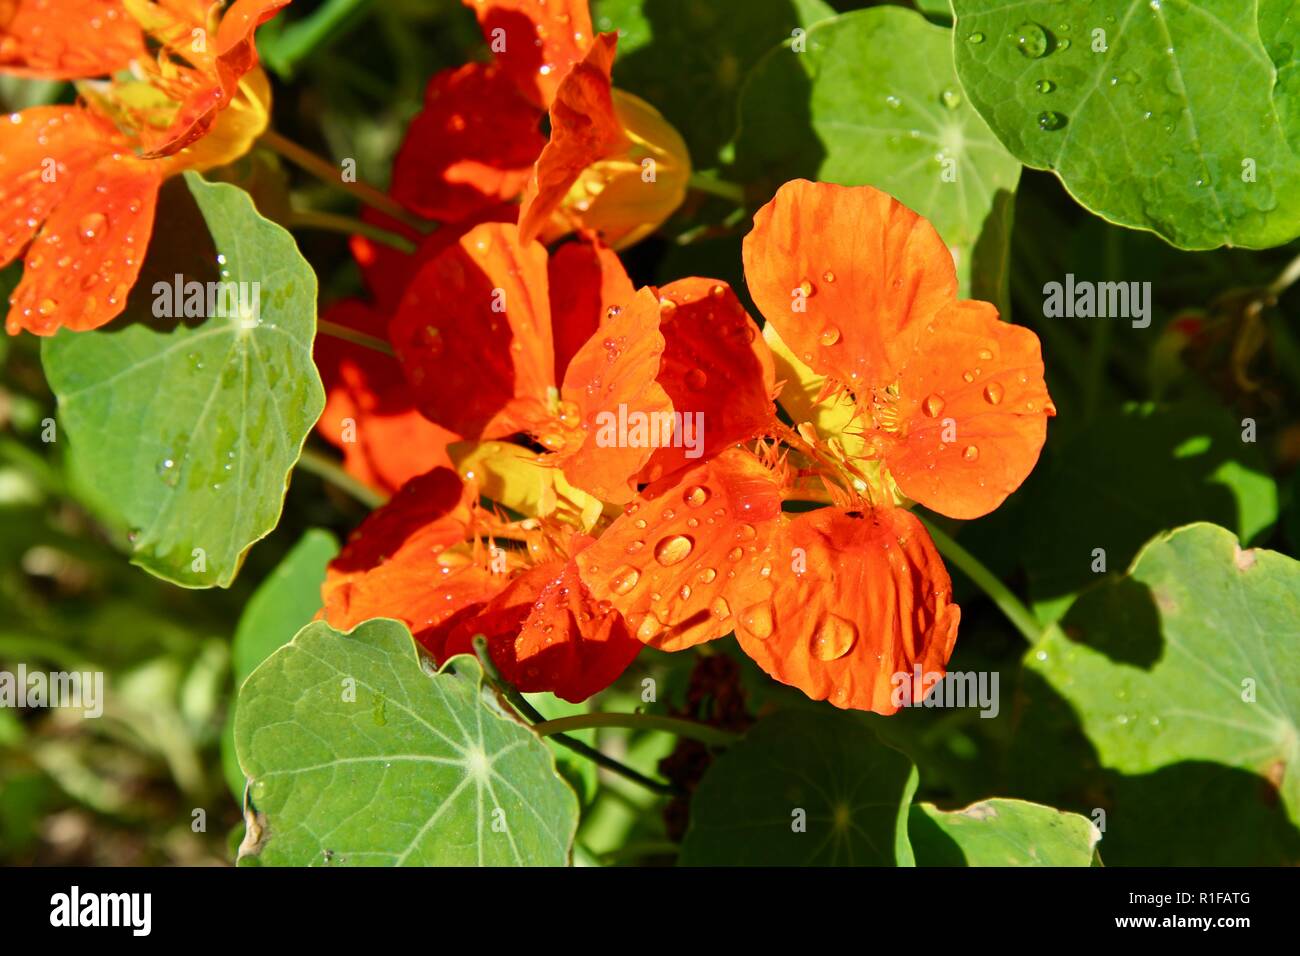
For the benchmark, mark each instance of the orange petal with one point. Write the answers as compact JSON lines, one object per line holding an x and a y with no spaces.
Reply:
{"x":43,"y":151}
{"x":546,"y":633}
{"x":973,"y":407}
{"x":370,"y":412}
{"x":206,"y":88}
{"x":859,"y":599}
{"x":692,"y":553}
{"x":537,"y":43}
{"x":411,"y":560}
{"x":473,"y":333}
{"x":586,"y":280}
{"x":473,"y":144}
{"x":840,"y":271}
{"x":716,"y":367}
{"x":88,"y":255}
{"x":614,"y":410}
{"x":83,"y":38}
{"x":584,"y":129}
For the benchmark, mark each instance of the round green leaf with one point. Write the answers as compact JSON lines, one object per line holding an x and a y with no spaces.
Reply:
{"x":688,"y":57}
{"x":358,"y":754}
{"x":1191,"y":656}
{"x":874,"y":100}
{"x":1001,"y":832}
{"x":283,"y":604}
{"x":803,"y":788}
{"x":1167,"y":116}
{"x":185,"y":430}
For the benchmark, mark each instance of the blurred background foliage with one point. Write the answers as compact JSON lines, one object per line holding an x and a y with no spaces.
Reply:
{"x":1148,"y":437}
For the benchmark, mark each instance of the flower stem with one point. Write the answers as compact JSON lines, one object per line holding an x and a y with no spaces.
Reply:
{"x":1010,"y":605}
{"x":333,"y":222}
{"x":324,"y":468}
{"x":672,"y":725}
{"x":708,"y":183}
{"x":330,"y":174}
{"x":1288,"y":277}
{"x":325,"y":327}
{"x":530,"y":713}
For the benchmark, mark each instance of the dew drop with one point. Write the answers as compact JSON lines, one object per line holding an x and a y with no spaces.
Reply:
{"x":1031,"y":40}
{"x":933,"y":406}
{"x":696,"y":495}
{"x":975,"y":37}
{"x":1050,"y":120}
{"x":757,"y":620}
{"x":708,"y":575}
{"x":91,"y":226}
{"x":971,"y":453}
{"x":828,"y":276}
{"x":993,"y":392}
{"x":696,"y":379}
{"x":624,"y":580}
{"x":1044,"y":86}
{"x":833,"y":638}
{"x":807,"y":288}
{"x":673,"y":549}
{"x":720,"y":608}
{"x":950,"y":98}
{"x":830,"y":335}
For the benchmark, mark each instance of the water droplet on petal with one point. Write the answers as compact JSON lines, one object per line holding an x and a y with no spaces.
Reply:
{"x":757,"y":620}
{"x":971,"y":453}
{"x":830,"y":335}
{"x":696,"y":379}
{"x":92,"y":226}
{"x":833,"y":638}
{"x":695,"y":496}
{"x":993,"y":392}
{"x":673,"y":549}
{"x":933,"y":406}
{"x":624,"y":580}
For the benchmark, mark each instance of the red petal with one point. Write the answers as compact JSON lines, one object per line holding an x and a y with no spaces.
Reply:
{"x":409,"y":560}
{"x":370,"y":412}
{"x":584,"y":129}
{"x":475,"y":369}
{"x":866,"y":264}
{"x":974,"y":409}
{"x":473,"y":144}
{"x":83,"y":38}
{"x":859,"y":600}
{"x":546,"y":633}
{"x":586,"y":280}
{"x":716,"y":366}
{"x":611,"y":382}
{"x":692,"y":553}
{"x":88,"y":255}
{"x":542,"y":40}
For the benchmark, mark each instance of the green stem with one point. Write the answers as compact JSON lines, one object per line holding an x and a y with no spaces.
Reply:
{"x":530,"y":713}
{"x":672,"y":725}
{"x":300,"y":38}
{"x":333,"y":222}
{"x":1288,"y":277}
{"x":708,"y":183}
{"x":337,"y":331}
{"x":1010,"y":605}
{"x":330,"y":174}
{"x":313,"y":462}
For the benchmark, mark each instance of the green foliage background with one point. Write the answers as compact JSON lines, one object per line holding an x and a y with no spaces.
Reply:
{"x":1127,"y":708}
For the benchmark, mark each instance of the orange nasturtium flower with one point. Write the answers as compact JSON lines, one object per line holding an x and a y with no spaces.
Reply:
{"x":79,"y":184}
{"x":568,"y":546}
{"x":612,"y":166}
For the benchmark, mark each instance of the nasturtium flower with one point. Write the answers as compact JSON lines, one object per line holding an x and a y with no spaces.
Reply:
{"x":612,"y":165}
{"x":79,"y":184}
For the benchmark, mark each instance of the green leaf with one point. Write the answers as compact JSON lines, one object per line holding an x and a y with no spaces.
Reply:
{"x":359,"y":754}
{"x":688,"y":57}
{"x":283,"y":604}
{"x":1190,"y":657}
{"x":185,"y":432}
{"x":1130,"y":475}
{"x":874,"y":100}
{"x":803,"y":788}
{"x":1155,"y":115}
{"x":1001,"y":832}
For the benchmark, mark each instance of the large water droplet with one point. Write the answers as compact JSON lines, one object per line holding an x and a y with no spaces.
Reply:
{"x":1051,"y":120}
{"x":933,"y":406}
{"x":830,"y":335}
{"x":975,"y":37}
{"x":673,"y":549}
{"x":624,"y":579}
{"x":757,"y":620}
{"x":695,"y":496}
{"x":91,"y":226}
{"x":1044,"y":86}
{"x":1032,"y":40}
{"x":833,"y":638}
{"x":993,"y":392}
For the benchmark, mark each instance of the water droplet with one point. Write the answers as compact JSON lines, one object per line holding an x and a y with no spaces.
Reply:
{"x":720,"y":608}
{"x":695,"y":496}
{"x":1044,"y":86}
{"x":1031,"y":40}
{"x":807,"y":288}
{"x":168,"y":473}
{"x":971,"y":453}
{"x":828,"y":276}
{"x":624,"y":580}
{"x":757,"y":620}
{"x":893,"y":102}
{"x":1050,"y":120}
{"x":634,"y":547}
{"x":91,"y":226}
{"x":975,"y":37}
{"x":673,"y":549}
{"x":696,"y":379}
{"x":830,"y":335}
{"x":735,"y":554}
{"x":933,"y":406}
{"x":707,"y":575}
{"x":649,"y":627}
{"x":833,"y":638}
{"x":993,"y":392}
{"x":950,"y":98}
